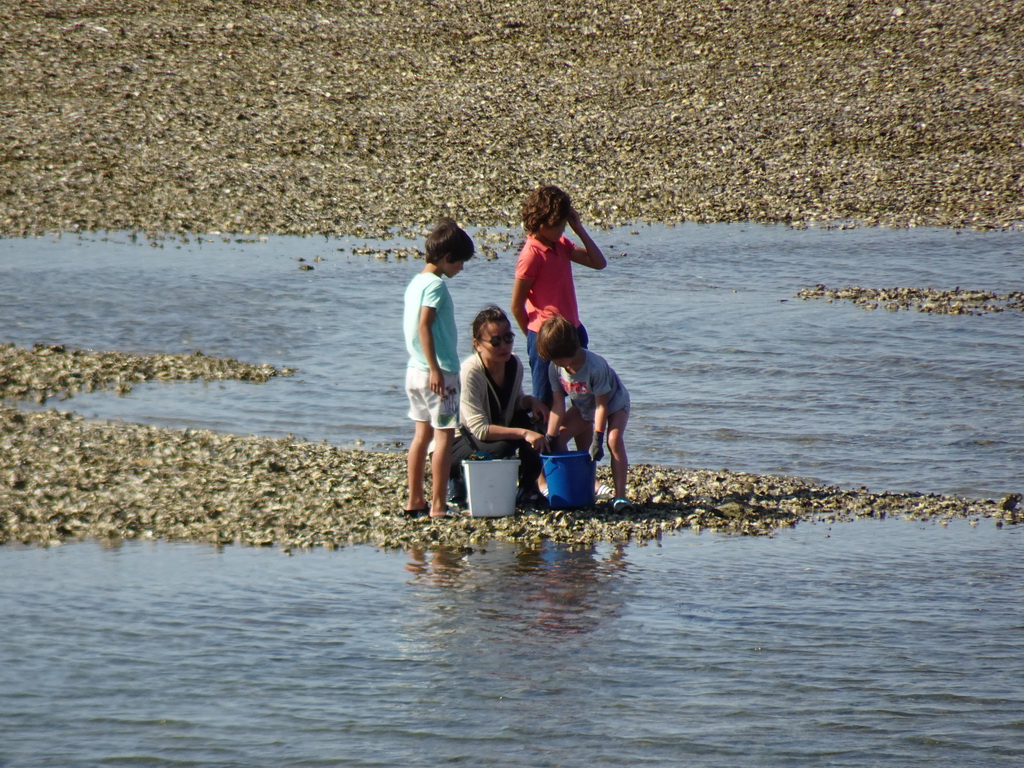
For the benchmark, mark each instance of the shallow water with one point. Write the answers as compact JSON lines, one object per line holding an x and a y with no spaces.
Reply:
{"x":870,"y":643}
{"x":725,"y":367}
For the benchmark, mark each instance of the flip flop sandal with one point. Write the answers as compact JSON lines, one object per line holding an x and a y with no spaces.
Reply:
{"x":443,"y":515}
{"x":448,"y":512}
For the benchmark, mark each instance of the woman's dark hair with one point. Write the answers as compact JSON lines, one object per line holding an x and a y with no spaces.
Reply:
{"x":545,"y":207}
{"x":489,"y":314}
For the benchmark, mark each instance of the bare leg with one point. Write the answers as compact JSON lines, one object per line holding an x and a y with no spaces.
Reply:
{"x":617,"y":448}
{"x":417,"y":464}
{"x":573,"y":427}
{"x":441,"y":464}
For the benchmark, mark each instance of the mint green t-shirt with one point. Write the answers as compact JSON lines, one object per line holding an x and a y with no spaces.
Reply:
{"x":428,"y":290}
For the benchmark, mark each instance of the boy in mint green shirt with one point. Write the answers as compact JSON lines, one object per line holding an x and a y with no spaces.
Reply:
{"x":432,"y":376}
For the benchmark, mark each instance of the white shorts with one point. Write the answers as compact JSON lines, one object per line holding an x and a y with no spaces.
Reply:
{"x":425,"y":405}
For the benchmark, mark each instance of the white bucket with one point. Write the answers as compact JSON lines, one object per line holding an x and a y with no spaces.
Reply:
{"x":491,"y":486}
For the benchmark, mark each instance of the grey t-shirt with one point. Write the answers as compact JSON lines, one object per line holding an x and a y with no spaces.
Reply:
{"x":595,"y":377}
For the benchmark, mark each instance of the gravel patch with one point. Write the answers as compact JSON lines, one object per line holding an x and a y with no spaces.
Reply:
{"x":936,"y":301}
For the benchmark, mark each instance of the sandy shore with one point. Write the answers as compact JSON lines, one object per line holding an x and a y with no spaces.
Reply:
{"x":294,"y":117}
{"x":62,"y":478}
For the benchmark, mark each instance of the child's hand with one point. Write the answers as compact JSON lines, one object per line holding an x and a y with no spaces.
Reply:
{"x":552,"y":444}
{"x":597,"y":447}
{"x":573,"y":220}
{"x":437,"y":383}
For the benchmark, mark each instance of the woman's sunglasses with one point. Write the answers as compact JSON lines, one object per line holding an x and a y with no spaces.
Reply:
{"x":507,"y":338}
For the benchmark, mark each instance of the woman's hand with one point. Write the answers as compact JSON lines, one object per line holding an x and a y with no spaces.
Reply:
{"x":536,"y":440}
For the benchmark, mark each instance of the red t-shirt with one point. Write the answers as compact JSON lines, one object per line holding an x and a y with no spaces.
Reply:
{"x":550,"y":272}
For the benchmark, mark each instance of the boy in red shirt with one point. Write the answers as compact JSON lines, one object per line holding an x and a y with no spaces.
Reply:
{"x":544,"y":286}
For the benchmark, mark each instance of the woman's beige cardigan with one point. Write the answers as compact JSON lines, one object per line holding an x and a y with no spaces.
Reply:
{"x":474,"y":408}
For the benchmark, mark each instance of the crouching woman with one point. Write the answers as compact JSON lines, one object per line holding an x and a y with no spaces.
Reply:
{"x":494,"y":414}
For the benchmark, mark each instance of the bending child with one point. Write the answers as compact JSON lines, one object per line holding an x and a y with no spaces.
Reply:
{"x":600,"y":403}
{"x":432,"y":376}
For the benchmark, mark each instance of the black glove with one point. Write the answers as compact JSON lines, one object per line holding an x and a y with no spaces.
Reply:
{"x":597,"y":447}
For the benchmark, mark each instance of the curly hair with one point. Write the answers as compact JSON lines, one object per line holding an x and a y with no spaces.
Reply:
{"x":557,"y":339}
{"x":545,"y":207}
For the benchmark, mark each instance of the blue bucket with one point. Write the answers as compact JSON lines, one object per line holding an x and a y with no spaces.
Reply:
{"x":570,"y":479}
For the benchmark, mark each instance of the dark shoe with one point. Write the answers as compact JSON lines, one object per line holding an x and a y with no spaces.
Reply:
{"x":422,"y":512}
{"x":531,"y":498}
{"x":457,"y":492}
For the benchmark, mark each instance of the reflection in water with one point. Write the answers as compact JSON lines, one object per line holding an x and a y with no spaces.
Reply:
{"x":551,"y":589}
{"x":441,"y":566}
{"x":879,"y":642}
{"x":512,"y":631}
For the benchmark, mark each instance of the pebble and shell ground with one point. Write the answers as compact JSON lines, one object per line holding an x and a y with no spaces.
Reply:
{"x":340,"y":117}
{"x":62,"y":477}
